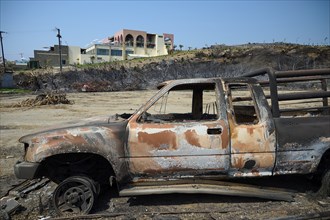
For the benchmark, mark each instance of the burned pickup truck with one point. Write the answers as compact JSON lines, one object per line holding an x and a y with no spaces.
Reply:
{"x":193,"y":136}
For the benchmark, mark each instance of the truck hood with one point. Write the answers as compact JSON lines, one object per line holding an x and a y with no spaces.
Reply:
{"x":93,"y":121}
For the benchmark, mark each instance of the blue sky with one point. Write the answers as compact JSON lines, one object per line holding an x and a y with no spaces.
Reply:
{"x":30,"y":24}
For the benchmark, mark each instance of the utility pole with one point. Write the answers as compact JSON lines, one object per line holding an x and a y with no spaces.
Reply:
{"x":59,"y":46}
{"x":3,"y":54}
{"x":109,"y":49}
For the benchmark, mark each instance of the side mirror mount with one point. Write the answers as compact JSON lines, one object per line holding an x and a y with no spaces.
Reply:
{"x":144,"y":116}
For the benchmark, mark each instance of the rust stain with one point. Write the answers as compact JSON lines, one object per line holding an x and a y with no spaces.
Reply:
{"x":224,"y":136}
{"x":192,"y":138}
{"x":234,"y":135}
{"x":255,"y":172}
{"x":250,"y":130}
{"x":51,"y":144}
{"x":238,"y":162}
{"x":157,"y":139}
{"x":263,"y":160}
{"x":144,"y":165}
{"x":249,"y":139}
{"x":266,"y":160}
{"x":225,"y":133}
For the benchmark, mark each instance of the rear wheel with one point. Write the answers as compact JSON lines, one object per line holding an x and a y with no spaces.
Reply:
{"x":324,"y":190}
{"x":75,"y":195}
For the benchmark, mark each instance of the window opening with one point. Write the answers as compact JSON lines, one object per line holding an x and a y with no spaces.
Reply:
{"x":243,"y":105}
{"x":182,"y":105}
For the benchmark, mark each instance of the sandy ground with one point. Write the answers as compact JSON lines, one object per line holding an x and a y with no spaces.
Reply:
{"x":15,"y":122}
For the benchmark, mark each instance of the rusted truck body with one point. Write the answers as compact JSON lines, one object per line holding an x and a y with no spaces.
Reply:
{"x":193,"y":132}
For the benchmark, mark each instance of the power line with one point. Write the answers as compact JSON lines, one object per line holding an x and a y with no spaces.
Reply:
{"x":27,"y":31}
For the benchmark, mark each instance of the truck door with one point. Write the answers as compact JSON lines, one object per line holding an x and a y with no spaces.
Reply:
{"x":180,"y":133}
{"x":252,"y":131}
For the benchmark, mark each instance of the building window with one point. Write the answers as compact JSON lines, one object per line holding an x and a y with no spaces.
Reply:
{"x":129,"y":40}
{"x":129,"y":52}
{"x":118,"y":53}
{"x":140,"y":41}
{"x":102,"y":51}
{"x":63,"y":62}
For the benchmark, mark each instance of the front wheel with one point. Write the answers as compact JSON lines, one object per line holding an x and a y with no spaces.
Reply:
{"x":75,"y":196}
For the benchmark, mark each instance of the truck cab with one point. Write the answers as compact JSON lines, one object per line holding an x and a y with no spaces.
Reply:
{"x":203,"y":127}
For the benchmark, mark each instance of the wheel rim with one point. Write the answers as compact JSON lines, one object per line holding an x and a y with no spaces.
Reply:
{"x":74,"y":196}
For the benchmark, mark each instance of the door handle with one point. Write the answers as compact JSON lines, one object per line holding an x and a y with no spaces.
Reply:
{"x":214,"y":131}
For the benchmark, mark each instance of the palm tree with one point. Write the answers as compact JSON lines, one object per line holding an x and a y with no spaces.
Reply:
{"x":180,"y":46}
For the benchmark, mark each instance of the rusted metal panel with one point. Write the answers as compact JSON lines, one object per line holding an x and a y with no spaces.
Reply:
{"x":103,"y":136}
{"x":252,"y":150}
{"x":301,"y":143}
{"x":161,"y":149}
{"x":253,"y":145}
{"x":207,"y":187}
{"x":178,"y":147}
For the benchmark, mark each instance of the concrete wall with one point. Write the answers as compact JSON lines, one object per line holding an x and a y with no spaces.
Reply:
{"x":160,"y":46}
{"x":74,"y":55}
{"x":85,"y":58}
{"x":139,"y":51}
{"x":171,"y":41}
{"x":151,"y":52}
{"x":51,"y":57}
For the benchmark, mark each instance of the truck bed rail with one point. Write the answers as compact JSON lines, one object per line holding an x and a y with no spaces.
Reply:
{"x":291,"y":85}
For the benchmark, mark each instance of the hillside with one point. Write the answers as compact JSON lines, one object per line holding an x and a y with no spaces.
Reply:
{"x":146,"y":73}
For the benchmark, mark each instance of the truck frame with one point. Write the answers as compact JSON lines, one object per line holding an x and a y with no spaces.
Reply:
{"x":264,"y":123}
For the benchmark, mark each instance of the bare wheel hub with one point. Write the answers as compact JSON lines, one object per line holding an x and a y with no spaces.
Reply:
{"x":74,"y":196}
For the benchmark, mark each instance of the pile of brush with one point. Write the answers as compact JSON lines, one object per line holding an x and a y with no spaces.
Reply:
{"x":45,"y":99}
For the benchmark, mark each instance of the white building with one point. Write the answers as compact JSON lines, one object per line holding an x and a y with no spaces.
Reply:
{"x":125,"y":44}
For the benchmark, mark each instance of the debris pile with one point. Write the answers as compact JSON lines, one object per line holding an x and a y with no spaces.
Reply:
{"x":45,"y":99}
{"x":93,"y":86}
{"x":30,"y":199}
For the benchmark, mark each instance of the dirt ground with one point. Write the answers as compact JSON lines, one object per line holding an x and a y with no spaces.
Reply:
{"x":16,"y":122}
